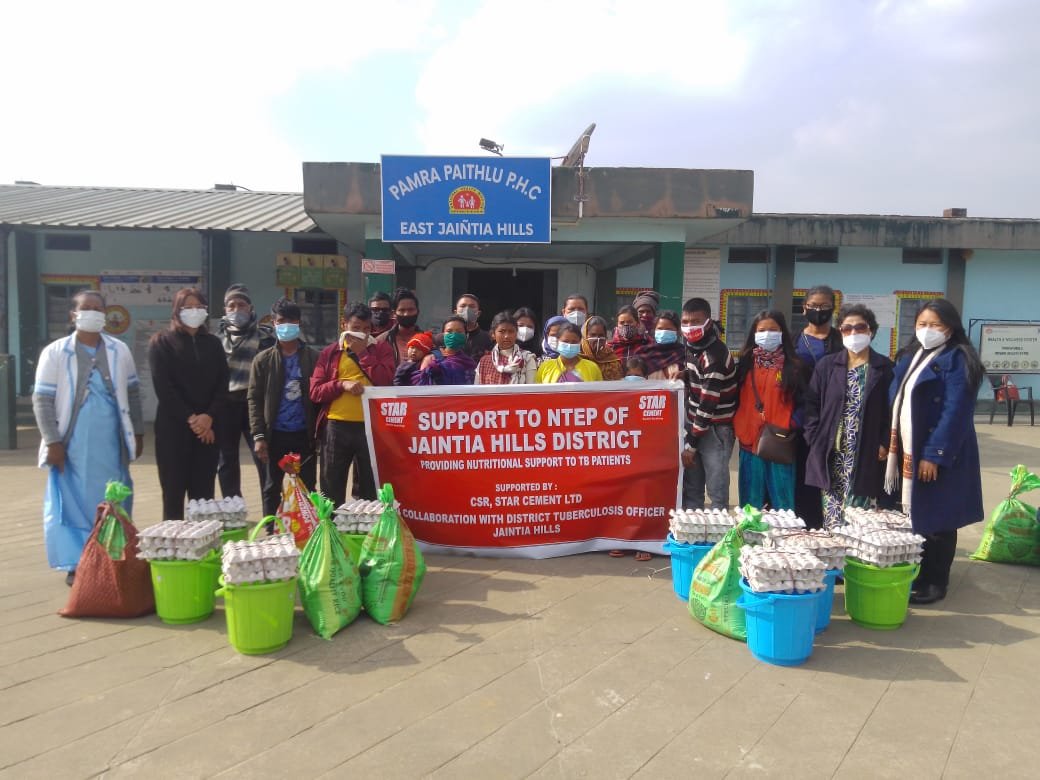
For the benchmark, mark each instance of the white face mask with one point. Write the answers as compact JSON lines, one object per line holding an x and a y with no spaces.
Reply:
{"x":769,"y":340}
{"x":194,"y":317}
{"x":90,"y":321}
{"x":931,"y":338}
{"x":576,"y":317}
{"x":524,"y":333}
{"x":856,"y":342}
{"x":553,"y":342}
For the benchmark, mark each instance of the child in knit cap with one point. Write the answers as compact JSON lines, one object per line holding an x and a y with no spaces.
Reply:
{"x":419,"y":346}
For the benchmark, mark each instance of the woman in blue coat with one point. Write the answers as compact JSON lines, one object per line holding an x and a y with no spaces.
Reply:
{"x":933,"y":452}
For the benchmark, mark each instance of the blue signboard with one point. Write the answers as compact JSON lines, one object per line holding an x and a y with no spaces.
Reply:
{"x":473,"y":200}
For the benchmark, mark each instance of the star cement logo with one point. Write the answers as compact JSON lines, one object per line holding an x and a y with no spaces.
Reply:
{"x":653,"y":406}
{"x":394,"y":413}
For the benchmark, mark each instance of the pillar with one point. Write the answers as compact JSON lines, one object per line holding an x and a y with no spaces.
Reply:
{"x":783,"y":280}
{"x":668,"y":273}
{"x":956,"y":268}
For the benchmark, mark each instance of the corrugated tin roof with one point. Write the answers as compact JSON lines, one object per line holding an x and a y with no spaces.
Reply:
{"x":112,"y":207}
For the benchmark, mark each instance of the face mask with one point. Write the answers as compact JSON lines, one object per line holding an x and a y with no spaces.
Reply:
{"x":596,"y":343}
{"x":634,"y":378}
{"x":239,"y":318}
{"x":288,"y":331}
{"x":469,"y":315}
{"x":380,"y":317}
{"x":931,"y":338}
{"x":627,"y":332}
{"x":666,"y":336}
{"x":194,"y":318}
{"x":359,"y":335}
{"x":524,"y":333}
{"x":90,"y":321}
{"x":568,"y":350}
{"x":856,"y":342}
{"x":694,"y":333}
{"x":454,"y":340}
{"x":576,"y":317}
{"x":407,"y":320}
{"x":769,"y":340}
{"x":553,"y":342}
{"x":819,"y":316}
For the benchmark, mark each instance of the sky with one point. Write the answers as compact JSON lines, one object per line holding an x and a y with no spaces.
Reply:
{"x":838,"y":106}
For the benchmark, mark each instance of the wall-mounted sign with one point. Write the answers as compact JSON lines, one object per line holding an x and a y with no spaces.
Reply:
{"x":473,"y":200}
{"x":378,"y":267}
{"x":145,"y":288}
{"x":117,"y":320}
{"x":321,"y":272}
{"x":1010,"y":348}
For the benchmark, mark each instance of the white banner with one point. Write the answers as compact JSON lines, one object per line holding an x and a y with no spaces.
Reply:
{"x":701,"y":276}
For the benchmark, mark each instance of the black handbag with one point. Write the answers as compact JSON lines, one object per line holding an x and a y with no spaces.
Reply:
{"x":775,"y":444}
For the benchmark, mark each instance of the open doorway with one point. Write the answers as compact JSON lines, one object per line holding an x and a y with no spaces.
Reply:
{"x":507,"y":288}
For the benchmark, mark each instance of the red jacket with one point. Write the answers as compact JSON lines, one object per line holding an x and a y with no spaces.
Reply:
{"x":377,"y":362}
{"x":777,"y":407}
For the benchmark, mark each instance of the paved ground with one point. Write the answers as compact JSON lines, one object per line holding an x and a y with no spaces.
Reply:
{"x":581,"y":666}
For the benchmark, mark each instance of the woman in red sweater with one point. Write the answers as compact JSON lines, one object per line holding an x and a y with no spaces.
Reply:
{"x":768,"y":374}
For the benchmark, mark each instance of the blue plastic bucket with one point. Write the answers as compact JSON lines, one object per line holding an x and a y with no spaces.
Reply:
{"x":685,"y":558}
{"x":780,"y":627}
{"x":826,"y":602}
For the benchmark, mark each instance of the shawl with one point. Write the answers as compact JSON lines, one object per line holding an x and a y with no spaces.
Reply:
{"x":901,"y":436}
{"x":604,"y":356}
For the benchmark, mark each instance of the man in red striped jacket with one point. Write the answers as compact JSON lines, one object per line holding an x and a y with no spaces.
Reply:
{"x":711,"y":400}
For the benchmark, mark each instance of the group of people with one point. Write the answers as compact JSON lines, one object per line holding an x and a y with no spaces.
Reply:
{"x":858,"y":429}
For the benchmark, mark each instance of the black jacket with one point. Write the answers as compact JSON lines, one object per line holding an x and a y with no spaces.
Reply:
{"x":824,"y":404}
{"x":190,"y":374}
{"x":267,"y":383}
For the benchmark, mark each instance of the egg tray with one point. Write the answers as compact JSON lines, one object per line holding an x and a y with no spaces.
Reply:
{"x":230,"y":511}
{"x":272,"y":559}
{"x":700,"y":526}
{"x":358,"y":516}
{"x":769,"y":570}
{"x":823,"y":544}
{"x":178,"y":540}
{"x":882,"y":547}
{"x":877,"y":518}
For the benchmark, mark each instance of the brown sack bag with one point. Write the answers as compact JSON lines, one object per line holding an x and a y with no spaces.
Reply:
{"x":106,"y":587}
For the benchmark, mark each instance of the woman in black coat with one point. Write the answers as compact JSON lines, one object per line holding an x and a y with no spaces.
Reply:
{"x":848,"y":418}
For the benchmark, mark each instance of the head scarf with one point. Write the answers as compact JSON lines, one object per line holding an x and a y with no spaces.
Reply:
{"x":604,"y":357}
{"x":548,"y":351}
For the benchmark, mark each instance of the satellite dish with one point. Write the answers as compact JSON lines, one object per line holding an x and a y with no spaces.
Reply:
{"x":576,"y":156}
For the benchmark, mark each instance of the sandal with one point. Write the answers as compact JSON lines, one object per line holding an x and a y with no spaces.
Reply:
{"x":643,"y":556}
{"x":617,"y":553}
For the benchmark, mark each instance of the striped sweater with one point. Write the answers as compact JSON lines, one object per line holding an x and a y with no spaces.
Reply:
{"x":711,"y":387}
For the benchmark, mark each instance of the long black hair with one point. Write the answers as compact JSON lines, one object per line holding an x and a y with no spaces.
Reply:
{"x":791,"y":375}
{"x":951,"y":318}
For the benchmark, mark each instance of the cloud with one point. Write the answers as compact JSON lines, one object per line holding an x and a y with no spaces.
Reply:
{"x":177,"y":94}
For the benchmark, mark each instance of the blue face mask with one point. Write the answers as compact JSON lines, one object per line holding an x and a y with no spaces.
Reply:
{"x":287,"y":331}
{"x":666,"y":336}
{"x":568,"y":350}
{"x":769,"y":340}
{"x":634,"y":378}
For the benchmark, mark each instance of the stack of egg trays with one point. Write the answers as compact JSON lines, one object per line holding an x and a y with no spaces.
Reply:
{"x":359,"y":515}
{"x":823,"y":544}
{"x":273,"y":559}
{"x":772,"y":570}
{"x":231,"y":511}
{"x":877,"y":518}
{"x":178,"y":540}
{"x":881,"y":547}
{"x":700,"y":526}
{"x":780,"y":521}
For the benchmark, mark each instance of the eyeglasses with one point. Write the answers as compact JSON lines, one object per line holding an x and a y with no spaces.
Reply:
{"x":859,"y":327}
{"x":812,"y":307}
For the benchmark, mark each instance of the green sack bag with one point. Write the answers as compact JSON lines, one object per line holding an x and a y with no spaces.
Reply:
{"x":716,"y":580}
{"x":111,"y":535}
{"x":1012,"y":534}
{"x":392,"y":566}
{"x":330,"y":586}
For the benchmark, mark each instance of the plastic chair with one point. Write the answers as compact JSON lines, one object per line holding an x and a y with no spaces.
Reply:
{"x":1006,"y":392}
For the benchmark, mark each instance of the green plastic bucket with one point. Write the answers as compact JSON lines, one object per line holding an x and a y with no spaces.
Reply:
{"x":234,"y":535}
{"x":259,"y":617}
{"x":184,"y":589}
{"x":353,"y":544}
{"x":878,"y":598}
